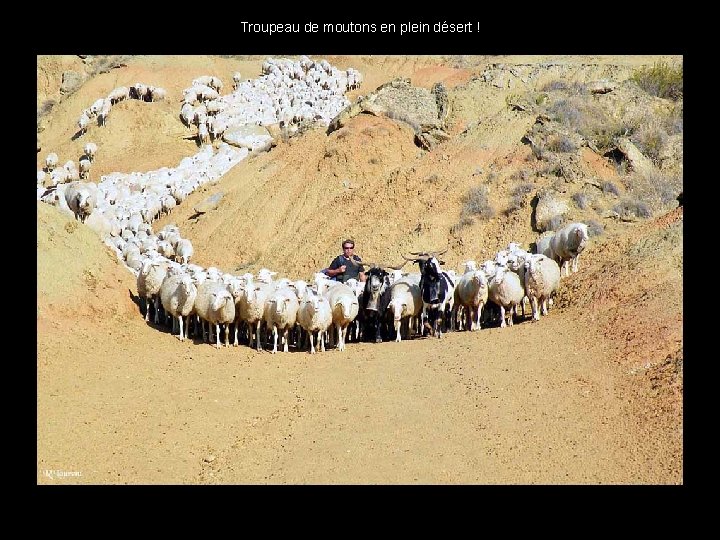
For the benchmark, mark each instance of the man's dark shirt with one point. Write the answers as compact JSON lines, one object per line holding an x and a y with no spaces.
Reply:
{"x":351,"y":270}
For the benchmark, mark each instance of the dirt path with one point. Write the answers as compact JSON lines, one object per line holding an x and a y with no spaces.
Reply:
{"x":536,"y":403}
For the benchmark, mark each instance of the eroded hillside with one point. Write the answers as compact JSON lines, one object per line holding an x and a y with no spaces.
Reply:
{"x":564,"y":400}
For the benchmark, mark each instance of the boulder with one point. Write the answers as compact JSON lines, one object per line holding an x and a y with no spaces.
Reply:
{"x":253,"y":137}
{"x":549,"y":205}
{"x":211,"y":203}
{"x":71,"y":81}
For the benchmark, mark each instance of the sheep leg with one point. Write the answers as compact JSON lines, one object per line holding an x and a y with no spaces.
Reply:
{"x":502,"y":317}
{"x":157,"y":309}
{"x":544,"y":306}
{"x":535,"y":312}
{"x":575,"y":262}
{"x":275,"y":336}
{"x":217,"y":335}
{"x":312,"y":342}
{"x":235,"y":343}
{"x":227,"y":334}
{"x":285,"y":340}
{"x":338,"y":337}
{"x":343,"y":336}
{"x":322,"y":342}
{"x":257,"y":336}
{"x":147,"y":310}
{"x":180,"y":324}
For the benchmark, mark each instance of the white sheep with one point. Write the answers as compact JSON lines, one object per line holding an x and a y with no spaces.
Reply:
{"x":71,"y":171}
{"x":252,"y":308}
{"x":156,"y":93}
{"x":187,"y":114}
{"x":506,"y":291}
{"x":83,"y":123}
{"x":203,"y":134}
{"x":177,"y":295}
{"x":344,"y":306}
{"x":542,"y":244}
{"x":139,"y":91}
{"x":149,"y":280}
{"x":183,"y":250}
{"x":471,"y":292}
{"x":96,"y":107}
{"x":567,"y":244}
{"x":120,"y":93}
{"x":81,"y":198}
{"x":542,"y":278}
{"x":104,"y":113}
{"x":56,"y":198}
{"x":84,"y":167}
{"x":405,"y":304}
{"x":215,"y":304}
{"x":51,"y":161}
{"x":315,"y":317}
{"x":237,"y":79}
{"x":90,"y":149}
{"x":281,"y":309}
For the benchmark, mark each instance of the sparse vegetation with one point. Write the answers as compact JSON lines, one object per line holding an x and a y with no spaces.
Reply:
{"x":476,"y":203}
{"x":433,"y":179}
{"x":540,"y":152}
{"x":610,"y":188}
{"x":655,"y":189}
{"x":594,"y":228}
{"x":587,"y":118}
{"x":661,"y":80}
{"x":46,"y":107}
{"x":562,"y":144}
{"x":522,"y":174}
{"x":103,"y":64}
{"x":651,"y":139}
{"x":518,"y":197}
{"x":464,"y":222}
{"x":673,"y":122}
{"x":630,"y":208}
{"x":571,"y":88}
{"x":581,"y":200}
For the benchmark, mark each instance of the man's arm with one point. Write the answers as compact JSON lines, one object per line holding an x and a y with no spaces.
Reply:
{"x":335,"y":268}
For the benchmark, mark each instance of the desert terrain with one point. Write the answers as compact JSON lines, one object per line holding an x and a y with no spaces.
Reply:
{"x":592,"y":393}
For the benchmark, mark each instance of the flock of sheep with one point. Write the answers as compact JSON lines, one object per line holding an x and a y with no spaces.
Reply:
{"x":324,"y":309}
{"x":122,"y":206}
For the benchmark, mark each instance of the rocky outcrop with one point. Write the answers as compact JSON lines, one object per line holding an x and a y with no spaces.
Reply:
{"x":550,"y":208}
{"x":425,"y":111}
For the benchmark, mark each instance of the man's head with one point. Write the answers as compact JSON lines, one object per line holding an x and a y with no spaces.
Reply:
{"x":348,"y":246}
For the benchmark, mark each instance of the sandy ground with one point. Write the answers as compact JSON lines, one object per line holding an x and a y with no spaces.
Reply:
{"x":591,"y":394}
